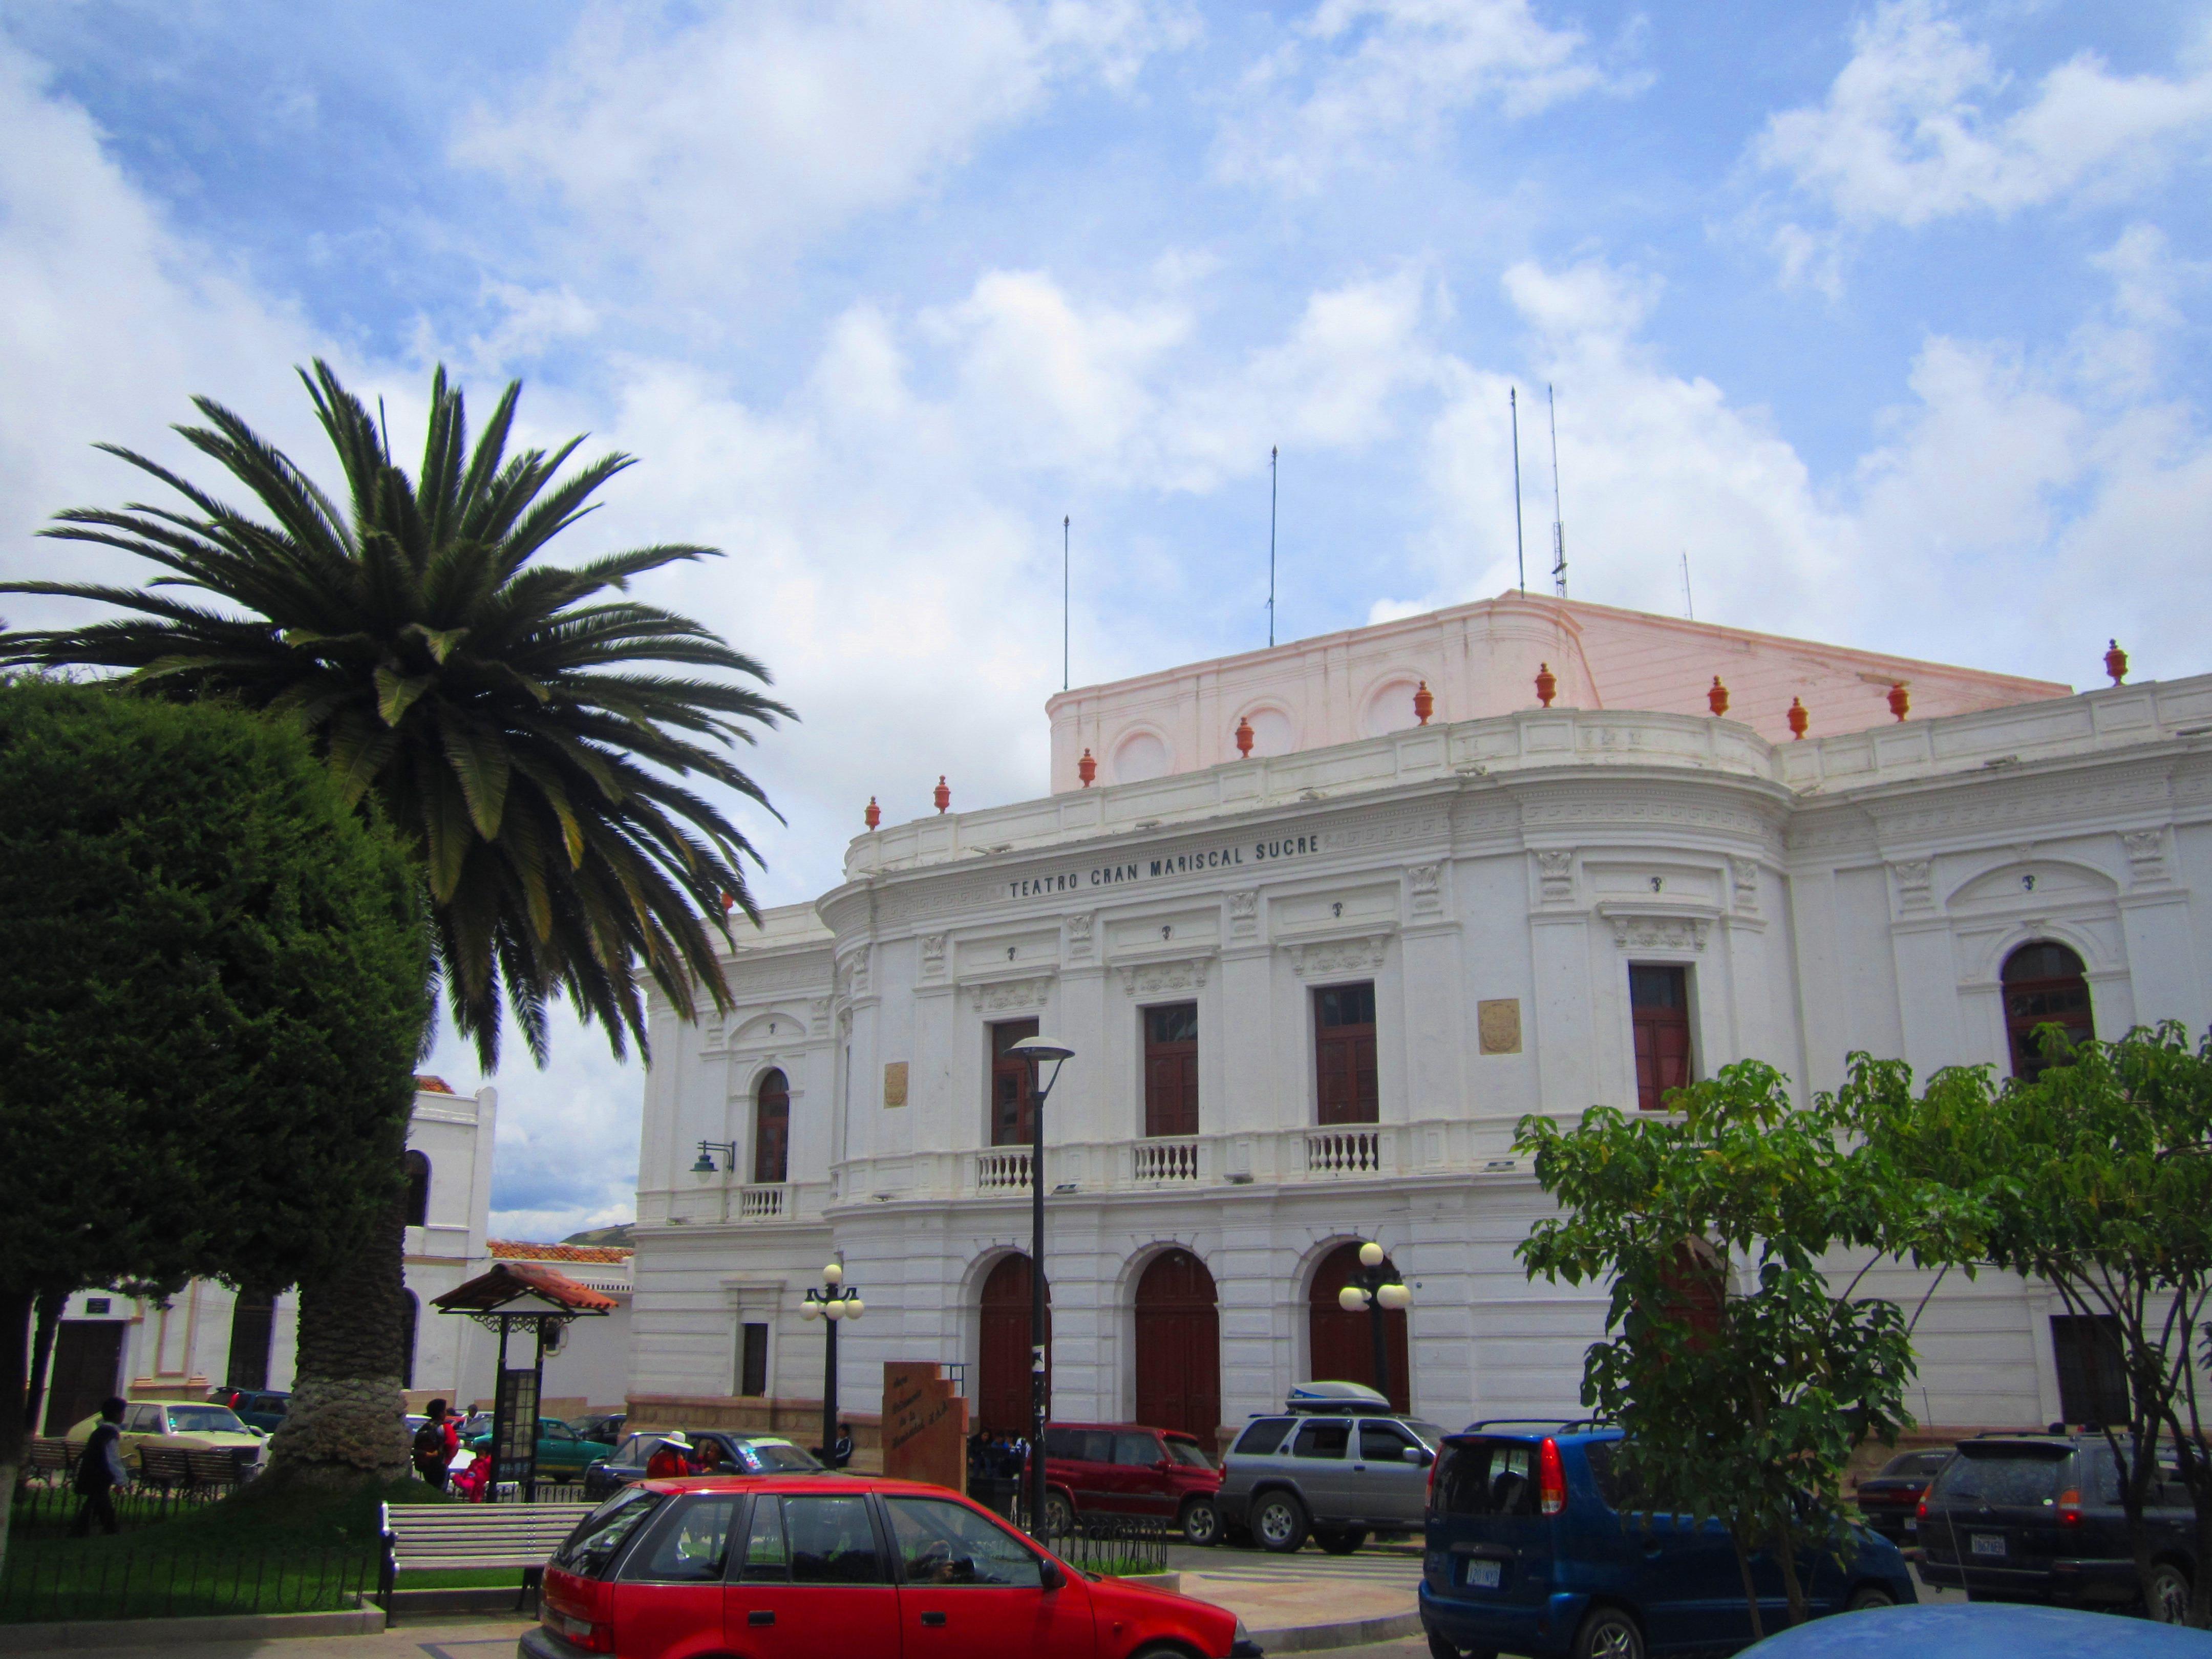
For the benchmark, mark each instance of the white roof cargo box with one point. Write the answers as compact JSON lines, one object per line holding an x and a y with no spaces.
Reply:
{"x":1339,"y":1397}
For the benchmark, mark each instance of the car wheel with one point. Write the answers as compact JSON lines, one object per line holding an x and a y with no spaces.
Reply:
{"x":1059,"y":1516}
{"x":1869,"y":1595}
{"x":1608,"y":1633}
{"x":1340,"y":1540}
{"x":2168,"y":1600}
{"x":1201,"y":1522}
{"x":1279,"y":1523}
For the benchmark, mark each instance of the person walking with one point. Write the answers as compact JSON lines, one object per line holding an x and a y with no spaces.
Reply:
{"x":99,"y":1471}
{"x":842,"y":1453}
{"x":435,"y":1442}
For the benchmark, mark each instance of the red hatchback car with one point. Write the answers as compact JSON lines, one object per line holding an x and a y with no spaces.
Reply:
{"x":842,"y":1567}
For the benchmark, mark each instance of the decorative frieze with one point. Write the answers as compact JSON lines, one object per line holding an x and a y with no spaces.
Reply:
{"x":1152,"y":979}
{"x":1244,"y":913}
{"x":932,"y":956}
{"x":1743,"y":875}
{"x":1010,"y":996}
{"x":1338,"y":956}
{"x":1079,"y":936}
{"x":1681,"y":934}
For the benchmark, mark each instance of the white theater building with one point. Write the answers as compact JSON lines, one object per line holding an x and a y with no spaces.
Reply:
{"x":1310,"y":990}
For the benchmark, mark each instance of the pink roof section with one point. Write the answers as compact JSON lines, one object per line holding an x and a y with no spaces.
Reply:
{"x":1479,"y":661}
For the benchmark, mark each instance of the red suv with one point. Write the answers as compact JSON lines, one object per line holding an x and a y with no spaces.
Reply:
{"x":1125,"y":1469}
{"x":821,"y":1566}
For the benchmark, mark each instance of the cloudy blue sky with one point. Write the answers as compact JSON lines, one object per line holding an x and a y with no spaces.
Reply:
{"x":1892,"y":316}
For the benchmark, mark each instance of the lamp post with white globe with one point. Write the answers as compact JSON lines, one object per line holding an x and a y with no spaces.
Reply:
{"x":833,"y":1304}
{"x":1378,"y":1289}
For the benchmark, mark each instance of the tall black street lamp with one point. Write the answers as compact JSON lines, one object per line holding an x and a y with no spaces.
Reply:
{"x":1376,"y":1288}
{"x":1036,"y":1050}
{"x":836,"y":1302}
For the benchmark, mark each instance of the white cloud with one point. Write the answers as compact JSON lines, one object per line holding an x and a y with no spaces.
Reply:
{"x":691,"y":151}
{"x":1921,"y":124}
{"x":1359,"y":78}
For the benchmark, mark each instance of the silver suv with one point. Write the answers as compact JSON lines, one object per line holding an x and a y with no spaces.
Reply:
{"x":1330,"y":1471}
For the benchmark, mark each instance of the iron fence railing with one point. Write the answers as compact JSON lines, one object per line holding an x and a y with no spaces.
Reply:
{"x":43,"y":1511}
{"x":53,"y":1582}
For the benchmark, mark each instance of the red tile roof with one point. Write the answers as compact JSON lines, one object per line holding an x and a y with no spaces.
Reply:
{"x":512,"y":1250}
{"x":509,"y":1280}
{"x":427,"y":1085}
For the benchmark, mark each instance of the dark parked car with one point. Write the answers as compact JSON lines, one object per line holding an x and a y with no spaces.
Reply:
{"x":1538,"y":1544}
{"x":563,"y":1455}
{"x":260,"y":1409}
{"x":743,"y":1453}
{"x":1126,"y":1469}
{"x":605,"y":1426}
{"x":2037,"y":1517}
{"x":1891,"y":1500}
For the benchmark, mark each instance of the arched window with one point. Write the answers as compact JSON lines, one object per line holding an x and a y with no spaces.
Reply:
{"x":418,"y":1189}
{"x":411,"y":1312}
{"x":772,"y":1128}
{"x":2043,"y":985}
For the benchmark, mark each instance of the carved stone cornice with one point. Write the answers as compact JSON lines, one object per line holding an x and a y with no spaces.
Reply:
{"x":1010,"y":995}
{"x":1155,"y":978}
{"x":1338,"y":956}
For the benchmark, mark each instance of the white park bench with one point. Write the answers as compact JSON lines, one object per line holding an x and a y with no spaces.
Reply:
{"x":440,"y":1537}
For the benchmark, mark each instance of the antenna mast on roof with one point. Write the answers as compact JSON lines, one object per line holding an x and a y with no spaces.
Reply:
{"x":1271,"y":453}
{"x":1066,"y":520}
{"x":1558,"y":529}
{"x":1688,"y":610}
{"x":1519,"y":559}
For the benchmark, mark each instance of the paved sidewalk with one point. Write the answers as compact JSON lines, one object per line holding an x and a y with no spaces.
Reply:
{"x":1302,"y":1604}
{"x":486,"y":1638}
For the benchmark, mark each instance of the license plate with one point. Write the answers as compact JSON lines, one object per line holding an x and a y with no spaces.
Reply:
{"x":1989,"y":1543}
{"x":1481,"y":1574}
{"x":1912,"y":1524}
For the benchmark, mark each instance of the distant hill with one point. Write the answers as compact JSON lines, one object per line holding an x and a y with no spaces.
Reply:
{"x":623,"y":1237}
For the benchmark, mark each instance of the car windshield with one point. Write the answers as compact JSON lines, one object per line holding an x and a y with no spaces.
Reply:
{"x":2014,"y":1476}
{"x":780,"y":1457}
{"x":1431,"y":1435}
{"x":1915,"y":1463}
{"x":205,"y":1419}
{"x":1188,"y":1453}
{"x":600,"y":1533}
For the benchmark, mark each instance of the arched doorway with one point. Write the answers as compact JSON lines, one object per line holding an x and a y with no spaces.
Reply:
{"x":2043,"y":985}
{"x":1178,"y":1346}
{"x":1002,"y":1371}
{"x":771,"y":1128}
{"x":1343,"y":1348}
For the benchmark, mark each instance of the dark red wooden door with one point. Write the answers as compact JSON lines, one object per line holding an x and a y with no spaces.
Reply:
{"x":1343,"y":1346}
{"x":1171,"y":1070}
{"x":1178,"y":1347}
{"x":1659,"y":1003}
{"x":1002,"y":1373}
{"x":772,"y":1129}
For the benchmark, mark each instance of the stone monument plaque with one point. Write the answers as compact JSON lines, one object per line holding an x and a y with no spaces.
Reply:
{"x":925,"y":1425}
{"x":895,"y":1083}
{"x":1498,"y":1021}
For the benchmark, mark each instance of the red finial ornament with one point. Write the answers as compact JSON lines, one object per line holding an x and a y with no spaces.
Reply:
{"x":1243,"y":735}
{"x":942,"y":795}
{"x":1900,"y":700}
{"x":1717,"y":699}
{"x":1424,"y":702}
{"x":1547,"y":683}
{"x":2115,"y":662}
{"x":874,"y":815}
{"x":729,"y":902}
{"x":1086,"y":768}
{"x":1799,"y":719}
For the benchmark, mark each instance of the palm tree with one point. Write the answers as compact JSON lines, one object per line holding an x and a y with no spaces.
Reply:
{"x":526,"y":733}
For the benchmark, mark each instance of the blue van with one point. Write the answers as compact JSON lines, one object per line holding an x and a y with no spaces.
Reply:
{"x":1536,"y":1545}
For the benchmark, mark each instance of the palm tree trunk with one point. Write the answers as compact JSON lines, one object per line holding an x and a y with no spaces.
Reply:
{"x":50,"y":1304}
{"x":347,"y":1421}
{"x":14,"y":1331}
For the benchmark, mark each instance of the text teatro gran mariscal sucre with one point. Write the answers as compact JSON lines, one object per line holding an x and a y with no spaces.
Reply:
{"x":1175,"y":864}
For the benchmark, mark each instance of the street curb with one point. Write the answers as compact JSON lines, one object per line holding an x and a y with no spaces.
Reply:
{"x":368,"y":1620}
{"x":1312,"y":1639}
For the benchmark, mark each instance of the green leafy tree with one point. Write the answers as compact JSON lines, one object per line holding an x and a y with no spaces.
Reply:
{"x":1742,"y":1379}
{"x":212,"y":984}
{"x":531,"y":736}
{"x":2096,"y":1177}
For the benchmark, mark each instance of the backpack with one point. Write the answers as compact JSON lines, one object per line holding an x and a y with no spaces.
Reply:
{"x":430,"y":1443}
{"x":92,"y":1472}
